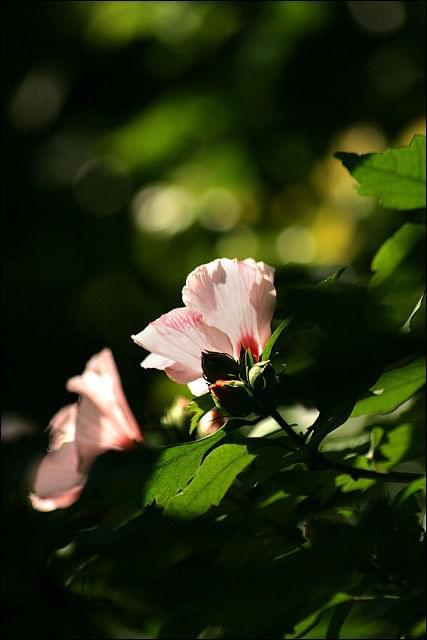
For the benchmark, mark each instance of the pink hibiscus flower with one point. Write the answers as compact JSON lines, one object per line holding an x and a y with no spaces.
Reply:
{"x":79,"y":432}
{"x":229,"y":305}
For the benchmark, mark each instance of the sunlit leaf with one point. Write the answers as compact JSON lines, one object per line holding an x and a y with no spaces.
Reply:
{"x":396,"y":177}
{"x":304,"y":626}
{"x":175,"y":467}
{"x":211,"y":482}
{"x":402,"y":443}
{"x":392,"y":389}
{"x":410,"y":490}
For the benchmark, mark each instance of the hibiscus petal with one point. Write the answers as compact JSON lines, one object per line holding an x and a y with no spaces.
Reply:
{"x":177,"y":340}
{"x":236,"y":297}
{"x":104,"y":419}
{"x":104,"y":365}
{"x":176,"y":372}
{"x":58,"y":482}
{"x":63,"y":426}
{"x":60,"y":501}
{"x":198,"y":387}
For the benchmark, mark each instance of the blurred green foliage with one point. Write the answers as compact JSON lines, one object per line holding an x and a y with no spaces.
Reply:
{"x":144,"y":138}
{"x":141,"y":139}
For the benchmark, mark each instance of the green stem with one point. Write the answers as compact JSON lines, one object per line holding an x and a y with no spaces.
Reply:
{"x":385,"y":476}
{"x":318,"y":461}
{"x":288,"y":429}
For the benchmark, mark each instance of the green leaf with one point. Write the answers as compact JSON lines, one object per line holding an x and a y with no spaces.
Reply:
{"x":396,"y":177}
{"x":175,"y":467}
{"x":198,"y":407}
{"x":332,"y":279}
{"x":332,"y":416}
{"x":418,"y":630}
{"x":398,"y":281}
{"x":392,"y":389}
{"x":404,"y":442}
{"x":410,"y":490}
{"x":392,"y":254}
{"x":304,"y":626}
{"x":211,"y":482}
{"x":337,"y":620}
{"x":417,"y":319}
{"x":272,"y":342}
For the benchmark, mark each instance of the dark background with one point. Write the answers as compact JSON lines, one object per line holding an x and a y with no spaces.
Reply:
{"x":142,"y":139}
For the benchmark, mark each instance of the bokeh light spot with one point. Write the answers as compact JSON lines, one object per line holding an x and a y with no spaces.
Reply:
{"x":101,"y":186}
{"x":378,"y":17}
{"x":165,"y":209}
{"x":296,"y":244}
{"x":219,"y":209}
{"x":59,"y":157}
{"x":334,"y":183}
{"x":37,"y":101}
{"x":411,"y":129}
{"x":240,"y":243}
{"x":333,"y":230}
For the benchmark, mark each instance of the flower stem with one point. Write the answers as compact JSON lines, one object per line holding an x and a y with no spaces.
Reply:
{"x":288,"y":429}
{"x":318,"y":461}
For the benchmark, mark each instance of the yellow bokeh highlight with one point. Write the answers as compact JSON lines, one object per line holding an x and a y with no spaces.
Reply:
{"x":413,"y":128}
{"x":333,"y":233}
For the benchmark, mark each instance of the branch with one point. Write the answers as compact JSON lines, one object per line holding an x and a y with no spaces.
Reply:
{"x":317,"y":461}
{"x":356,"y":473}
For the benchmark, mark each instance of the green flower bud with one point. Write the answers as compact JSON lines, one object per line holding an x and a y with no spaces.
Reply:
{"x":262,"y":376}
{"x":219,"y":366}
{"x":233,"y":397}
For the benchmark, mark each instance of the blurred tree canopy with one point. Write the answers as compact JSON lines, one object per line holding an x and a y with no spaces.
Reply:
{"x":144,"y":138}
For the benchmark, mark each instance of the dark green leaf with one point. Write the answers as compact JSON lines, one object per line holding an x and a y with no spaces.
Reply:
{"x":398,"y":282}
{"x":271,"y":345}
{"x":337,"y":620}
{"x":332,"y":279}
{"x":333,"y":415}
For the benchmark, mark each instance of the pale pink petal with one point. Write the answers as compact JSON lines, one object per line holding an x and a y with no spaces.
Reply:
{"x":198,"y":387}
{"x":177,"y":372}
{"x":177,"y":340}
{"x":104,"y":419}
{"x":265,"y":269}
{"x":236,"y":297}
{"x":63,"y":427}
{"x":58,"y":482}
{"x":60,"y":501}
{"x":154,"y":361}
{"x":104,"y":365}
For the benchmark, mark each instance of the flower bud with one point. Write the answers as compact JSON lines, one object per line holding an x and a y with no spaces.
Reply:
{"x":176,"y":416}
{"x":211,"y":422}
{"x":233,"y":397}
{"x":219,"y":366}
{"x":262,"y":376}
